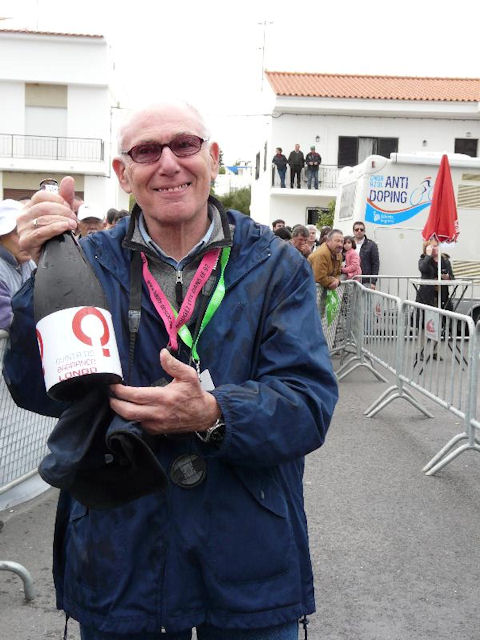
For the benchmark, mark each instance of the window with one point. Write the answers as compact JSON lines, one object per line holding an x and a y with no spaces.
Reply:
{"x":353,"y":150}
{"x":257,"y":166}
{"x":313,"y":213}
{"x":347,"y":151}
{"x":265,"y":149}
{"x":46,"y":109}
{"x":468,"y":146}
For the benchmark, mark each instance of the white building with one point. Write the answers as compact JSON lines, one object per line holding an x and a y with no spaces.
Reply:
{"x":350,"y":117}
{"x":56,"y":115}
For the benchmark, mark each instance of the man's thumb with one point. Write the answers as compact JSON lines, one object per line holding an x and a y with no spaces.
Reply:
{"x":67,"y":190}
{"x":174,"y":367}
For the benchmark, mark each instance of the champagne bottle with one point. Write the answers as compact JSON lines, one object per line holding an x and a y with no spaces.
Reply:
{"x":75,"y":332}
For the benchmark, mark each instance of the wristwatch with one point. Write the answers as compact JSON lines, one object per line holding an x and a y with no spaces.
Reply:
{"x":213,"y":434}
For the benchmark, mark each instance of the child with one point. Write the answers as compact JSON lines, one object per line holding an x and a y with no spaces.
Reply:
{"x":352,"y":259}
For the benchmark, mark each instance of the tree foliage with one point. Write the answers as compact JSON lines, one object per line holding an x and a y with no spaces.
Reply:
{"x":239,"y":200}
{"x":325,"y":216}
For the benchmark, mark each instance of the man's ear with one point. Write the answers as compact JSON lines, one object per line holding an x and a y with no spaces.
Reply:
{"x":215,"y":156}
{"x":121,"y":170}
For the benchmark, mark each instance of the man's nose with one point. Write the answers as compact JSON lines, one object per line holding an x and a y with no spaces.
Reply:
{"x":168,"y":161}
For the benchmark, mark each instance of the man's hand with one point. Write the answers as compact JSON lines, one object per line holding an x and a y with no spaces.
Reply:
{"x":180,"y":407}
{"x":373,"y":286}
{"x":334,"y":284}
{"x":45,"y":216}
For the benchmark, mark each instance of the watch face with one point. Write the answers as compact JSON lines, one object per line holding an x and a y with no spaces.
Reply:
{"x":218,"y":434}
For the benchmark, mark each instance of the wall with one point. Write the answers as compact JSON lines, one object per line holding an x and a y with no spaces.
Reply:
{"x":12,"y":107}
{"x":54,"y":59}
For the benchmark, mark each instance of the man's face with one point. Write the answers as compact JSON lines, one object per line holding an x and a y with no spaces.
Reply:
{"x":90,"y":225}
{"x":297,"y":147}
{"x":335,"y":243}
{"x":10,"y":242}
{"x":312,"y":235}
{"x":172,"y":190}
{"x":301,"y":243}
{"x":359,"y":231}
{"x":278,"y":225}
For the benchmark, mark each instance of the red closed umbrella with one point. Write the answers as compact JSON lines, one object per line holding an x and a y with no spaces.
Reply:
{"x":442,"y":223}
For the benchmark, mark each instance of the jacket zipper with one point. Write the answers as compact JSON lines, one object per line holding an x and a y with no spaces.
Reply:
{"x":179,"y":288}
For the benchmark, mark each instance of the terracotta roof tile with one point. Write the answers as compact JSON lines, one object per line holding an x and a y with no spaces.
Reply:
{"x":51,"y":33}
{"x":320,"y":85}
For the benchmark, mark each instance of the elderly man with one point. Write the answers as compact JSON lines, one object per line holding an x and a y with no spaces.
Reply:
{"x":300,"y":236}
{"x":90,"y":220}
{"x":326,"y":261}
{"x":15,"y":264}
{"x":313,"y":161}
{"x":296,"y":161}
{"x":222,"y":547}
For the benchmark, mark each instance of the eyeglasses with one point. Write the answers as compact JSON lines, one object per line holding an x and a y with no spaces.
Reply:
{"x":183,"y":145}
{"x":359,"y":229}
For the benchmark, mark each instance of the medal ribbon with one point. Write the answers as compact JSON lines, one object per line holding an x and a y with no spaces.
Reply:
{"x":175,"y":322}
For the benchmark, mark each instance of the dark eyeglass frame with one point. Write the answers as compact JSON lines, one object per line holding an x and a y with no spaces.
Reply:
{"x":179,"y":153}
{"x":359,"y":229}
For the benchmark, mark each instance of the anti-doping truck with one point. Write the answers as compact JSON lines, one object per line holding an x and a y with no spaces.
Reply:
{"x":393,"y":196}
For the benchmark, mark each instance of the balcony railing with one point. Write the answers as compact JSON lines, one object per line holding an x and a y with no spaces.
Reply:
{"x":327,"y":177}
{"x":51,"y":148}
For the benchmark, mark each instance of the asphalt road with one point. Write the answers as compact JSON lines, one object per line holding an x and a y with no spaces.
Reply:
{"x":395,"y":553}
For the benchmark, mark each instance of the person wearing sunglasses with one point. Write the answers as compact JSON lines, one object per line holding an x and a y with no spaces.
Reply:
{"x":209,"y":309}
{"x":368,"y":251}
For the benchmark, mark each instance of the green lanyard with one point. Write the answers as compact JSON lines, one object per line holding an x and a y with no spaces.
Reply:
{"x":213,"y":304}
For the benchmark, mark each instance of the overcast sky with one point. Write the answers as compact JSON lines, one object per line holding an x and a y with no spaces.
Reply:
{"x":211,"y":50}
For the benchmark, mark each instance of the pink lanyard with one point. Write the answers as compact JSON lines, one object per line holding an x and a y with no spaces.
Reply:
{"x":173,"y":321}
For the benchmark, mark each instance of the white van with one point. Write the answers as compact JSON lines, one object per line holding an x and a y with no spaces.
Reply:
{"x":393,"y":196}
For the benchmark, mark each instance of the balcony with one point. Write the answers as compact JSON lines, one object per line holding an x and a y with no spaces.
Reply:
{"x":51,"y":148}
{"x":327,"y":178}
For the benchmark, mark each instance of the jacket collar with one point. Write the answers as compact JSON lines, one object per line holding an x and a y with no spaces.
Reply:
{"x":250,"y":242}
{"x":222,"y":235}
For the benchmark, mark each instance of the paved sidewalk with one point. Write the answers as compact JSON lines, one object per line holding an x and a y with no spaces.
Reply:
{"x":395,"y":553}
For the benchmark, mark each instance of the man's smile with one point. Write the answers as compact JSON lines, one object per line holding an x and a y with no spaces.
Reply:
{"x":179,"y":187}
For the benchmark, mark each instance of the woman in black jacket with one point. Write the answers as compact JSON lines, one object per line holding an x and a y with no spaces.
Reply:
{"x":428,"y":266}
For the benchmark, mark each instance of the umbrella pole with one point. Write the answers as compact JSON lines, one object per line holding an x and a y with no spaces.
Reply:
{"x":439,"y":276}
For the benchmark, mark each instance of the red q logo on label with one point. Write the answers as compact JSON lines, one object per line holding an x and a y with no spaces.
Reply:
{"x":431,"y":326}
{"x":40,"y":347}
{"x":78,"y":318}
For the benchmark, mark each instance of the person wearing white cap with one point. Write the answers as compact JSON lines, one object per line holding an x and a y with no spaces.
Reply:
{"x":90,"y":220}
{"x":15,"y":263}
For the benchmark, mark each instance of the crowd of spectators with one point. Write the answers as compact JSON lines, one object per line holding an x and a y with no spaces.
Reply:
{"x":333,"y":256}
{"x":297,"y":161}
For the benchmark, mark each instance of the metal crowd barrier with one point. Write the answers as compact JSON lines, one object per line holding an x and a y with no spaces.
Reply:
{"x":471,"y":431}
{"x":399,"y":286}
{"x":351,"y":342}
{"x":433,"y":351}
{"x":23,"y":437}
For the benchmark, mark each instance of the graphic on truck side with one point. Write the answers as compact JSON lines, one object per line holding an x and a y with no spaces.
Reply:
{"x":387,"y":192}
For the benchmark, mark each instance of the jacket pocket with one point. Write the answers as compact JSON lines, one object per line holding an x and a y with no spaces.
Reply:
{"x":250,"y":537}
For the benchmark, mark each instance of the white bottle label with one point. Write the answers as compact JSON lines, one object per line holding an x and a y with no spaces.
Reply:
{"x":76,"y":342}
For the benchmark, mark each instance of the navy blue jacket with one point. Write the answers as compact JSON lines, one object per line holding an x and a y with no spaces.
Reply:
{"x":233,"y":551}
{"x":369,"y":260}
